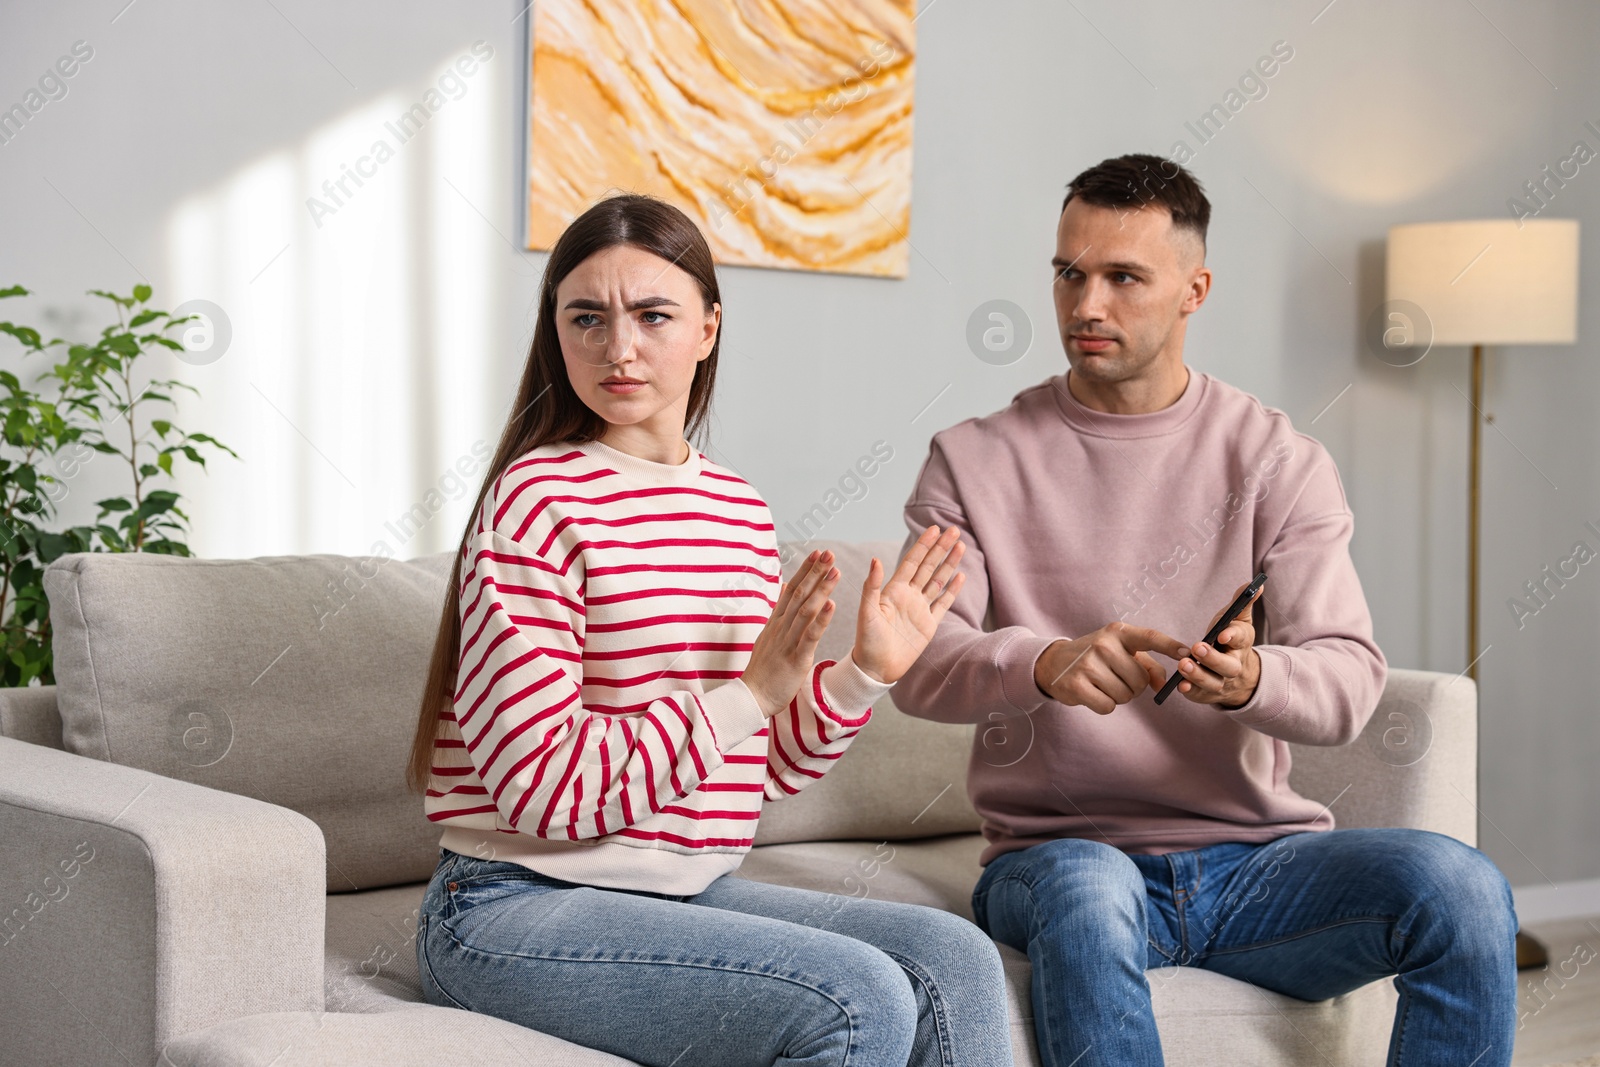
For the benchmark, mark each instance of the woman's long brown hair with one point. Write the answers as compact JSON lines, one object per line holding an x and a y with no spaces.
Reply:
{"x":547,"y":409}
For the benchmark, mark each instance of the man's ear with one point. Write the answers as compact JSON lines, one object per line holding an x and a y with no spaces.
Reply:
{"x":1198,"y":289}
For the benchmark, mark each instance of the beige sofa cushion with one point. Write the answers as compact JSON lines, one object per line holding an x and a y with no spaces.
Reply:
{"x":295,"y":679}
{"x":418,"y":1035}
{"x":29,"y":714}
{"x":291,"y":679}
{"x":1206,"y":1019}
{"x":901,"y":777}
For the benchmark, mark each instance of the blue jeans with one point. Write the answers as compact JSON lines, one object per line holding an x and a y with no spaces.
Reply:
{"x":741,"y":974}
{"x":1310,"y":915}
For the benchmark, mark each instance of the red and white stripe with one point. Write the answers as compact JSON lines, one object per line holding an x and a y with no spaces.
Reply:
{"x":598,"y":616}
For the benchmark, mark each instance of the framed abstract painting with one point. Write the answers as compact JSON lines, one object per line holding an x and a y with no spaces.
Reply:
{"x":783,"y":127}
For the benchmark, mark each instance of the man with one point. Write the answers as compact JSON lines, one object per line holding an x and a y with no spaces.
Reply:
{"x":1126,"y":500}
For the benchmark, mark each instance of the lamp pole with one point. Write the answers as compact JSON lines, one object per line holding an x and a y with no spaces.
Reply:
{"x":1525,"y":292}
{"x":1475,"y":479}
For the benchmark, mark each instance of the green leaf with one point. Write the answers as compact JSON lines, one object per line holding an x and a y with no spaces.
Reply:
{"x":45,"y":437}
{"x":121,"y":301}
{"x":53,"y":546}
{"x":26,"y":334}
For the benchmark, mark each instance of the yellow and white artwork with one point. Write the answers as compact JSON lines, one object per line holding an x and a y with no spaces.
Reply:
{"x":782,"y":127}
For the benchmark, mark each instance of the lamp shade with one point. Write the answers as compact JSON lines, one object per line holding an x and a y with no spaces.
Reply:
{"x":1490,"y":281}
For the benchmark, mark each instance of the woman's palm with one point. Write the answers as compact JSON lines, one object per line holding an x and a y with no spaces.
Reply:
{"x":897,"y":620}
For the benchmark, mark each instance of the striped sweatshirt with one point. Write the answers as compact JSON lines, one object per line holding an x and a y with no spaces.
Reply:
{"x":600,"y":731}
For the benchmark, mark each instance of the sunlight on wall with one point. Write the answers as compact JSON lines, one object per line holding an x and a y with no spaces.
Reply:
{"x":465,"y":247}
{"x":1391,"y":137}
{"x":358,"y":371}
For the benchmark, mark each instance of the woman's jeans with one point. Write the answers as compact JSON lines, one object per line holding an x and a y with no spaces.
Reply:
{"x":742,"y":973}
{"x":1310,"y":915}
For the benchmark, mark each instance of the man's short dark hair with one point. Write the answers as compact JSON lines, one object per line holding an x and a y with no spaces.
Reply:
{"x":1144,"y":179}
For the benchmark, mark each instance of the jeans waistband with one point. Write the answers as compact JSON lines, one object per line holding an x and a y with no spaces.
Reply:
{"x":464,"y":866}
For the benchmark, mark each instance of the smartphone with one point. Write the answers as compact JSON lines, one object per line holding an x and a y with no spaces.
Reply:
{"x":1222,"y":624}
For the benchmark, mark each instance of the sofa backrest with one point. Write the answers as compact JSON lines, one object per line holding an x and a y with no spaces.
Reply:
{"x":295,"y":680}
{"x":29,"y":713}
{"x":291,"y":679}
{"x":901,"y":777}
{"x":1414,"y":765}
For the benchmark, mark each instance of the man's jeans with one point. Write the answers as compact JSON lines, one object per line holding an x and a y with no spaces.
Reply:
{"x":1311,"y":915}
{"x":741,"y":974}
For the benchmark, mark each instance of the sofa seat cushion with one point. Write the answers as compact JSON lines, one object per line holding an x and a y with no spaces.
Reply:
{"x":420,"y":1035}
{"x":938,"y":872}
{"x":371,"y":961}
{"x":1204,"y":1018}
{"x":371,"y":957}
{"x":1210,"y":1020}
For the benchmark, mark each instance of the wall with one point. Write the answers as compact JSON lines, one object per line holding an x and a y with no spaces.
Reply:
{"x":372,"y":348}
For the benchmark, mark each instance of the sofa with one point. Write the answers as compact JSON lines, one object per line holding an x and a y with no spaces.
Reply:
{"x":211,"y":857}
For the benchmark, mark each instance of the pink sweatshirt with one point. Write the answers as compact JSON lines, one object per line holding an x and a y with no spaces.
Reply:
{"x":1074,"y":518}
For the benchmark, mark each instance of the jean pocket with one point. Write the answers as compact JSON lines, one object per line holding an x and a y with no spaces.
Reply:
{"x":478,"y":882}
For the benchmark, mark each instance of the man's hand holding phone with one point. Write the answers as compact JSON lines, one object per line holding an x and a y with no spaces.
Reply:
{"x":1106,"y":667}
{"x":1225,"y":675}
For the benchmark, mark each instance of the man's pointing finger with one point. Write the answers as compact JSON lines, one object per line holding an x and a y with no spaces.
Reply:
{"x":1144,"y":639}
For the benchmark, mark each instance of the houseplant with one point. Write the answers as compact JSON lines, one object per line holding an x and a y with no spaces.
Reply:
{"x":94,"y":405}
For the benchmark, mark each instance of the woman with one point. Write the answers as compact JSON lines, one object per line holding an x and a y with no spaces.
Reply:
{"x":621,"y":678}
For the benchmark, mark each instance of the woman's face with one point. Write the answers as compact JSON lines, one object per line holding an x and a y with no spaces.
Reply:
{"x":627,"y":316}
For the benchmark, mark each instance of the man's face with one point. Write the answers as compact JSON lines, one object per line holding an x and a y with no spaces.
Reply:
{"x":1124,"y":280}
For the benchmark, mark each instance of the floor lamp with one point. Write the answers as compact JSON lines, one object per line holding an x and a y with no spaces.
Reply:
{"x":1484,"y":282}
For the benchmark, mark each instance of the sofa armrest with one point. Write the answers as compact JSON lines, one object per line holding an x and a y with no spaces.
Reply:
{"x":135,"y":908}
{"x":1415,"y":764}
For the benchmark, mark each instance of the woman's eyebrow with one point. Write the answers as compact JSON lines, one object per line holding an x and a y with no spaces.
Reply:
{"x":585,"y":304}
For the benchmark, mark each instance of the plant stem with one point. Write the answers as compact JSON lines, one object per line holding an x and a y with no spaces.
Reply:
{"x":133,"y":459}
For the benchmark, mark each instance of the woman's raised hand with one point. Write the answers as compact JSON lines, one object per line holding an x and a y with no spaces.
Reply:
{"x":782,"y":655}
{"x":896,"y":621}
